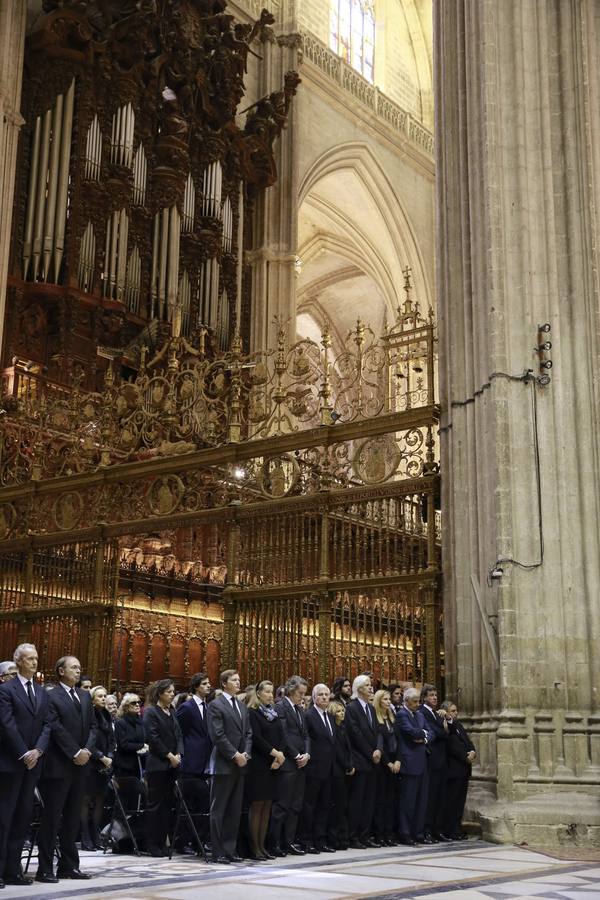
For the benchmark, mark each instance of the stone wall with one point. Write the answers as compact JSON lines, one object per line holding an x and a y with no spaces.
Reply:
{"x":517,"y":190}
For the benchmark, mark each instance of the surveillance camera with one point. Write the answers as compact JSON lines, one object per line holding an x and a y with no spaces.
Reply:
{"x":496,"y":572}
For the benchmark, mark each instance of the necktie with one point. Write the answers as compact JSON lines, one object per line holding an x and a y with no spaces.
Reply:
{"x":298,"y":716}
{"x":30,"y":694}
{"x":76,"y":700}
{"x":235,"y":706}
{"x":368,"y":714}
{"x":327,"y":723}
{"x":202,"y":709}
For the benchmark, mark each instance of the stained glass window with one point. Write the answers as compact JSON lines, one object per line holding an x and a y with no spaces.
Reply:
{"x":352,"y":33}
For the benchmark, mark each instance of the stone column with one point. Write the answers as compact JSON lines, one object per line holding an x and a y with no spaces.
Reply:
{"x":276,"y":212}
{"x":12,"y":43}
{"x":518,"y":167}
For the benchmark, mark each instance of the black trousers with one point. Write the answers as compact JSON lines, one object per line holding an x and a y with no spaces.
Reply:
{"x":413,"y":805}
{"x":385,"y":797}
{"x":286,"y":808}
{"x":16,"y":808}
{"x":455,"y":799}
{"x":337,"y":825}
{"x":436,"y":801}
{"x":226,"y":797}
{"x":159,"y":808}
{"x":315,"y":811}
{"x":60,"y":818}
{"x":362,"y":804}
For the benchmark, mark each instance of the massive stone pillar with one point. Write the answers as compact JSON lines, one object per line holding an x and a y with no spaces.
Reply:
{"x":12,"y":43}
{"x":518,"y":162}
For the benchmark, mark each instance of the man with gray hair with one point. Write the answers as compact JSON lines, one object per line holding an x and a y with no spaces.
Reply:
{"x":25,"y":734}
{"x":366,"y":744}
{"x":412,"y":740}
{"x":8,"y":670}
{"x":292,"y":774}
{"x":319,"y":772}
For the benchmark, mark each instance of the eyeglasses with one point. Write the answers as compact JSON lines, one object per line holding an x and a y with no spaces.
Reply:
{"x":136,"y":703}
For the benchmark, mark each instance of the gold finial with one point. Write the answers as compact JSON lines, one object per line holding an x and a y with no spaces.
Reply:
{"x":407,"y":272}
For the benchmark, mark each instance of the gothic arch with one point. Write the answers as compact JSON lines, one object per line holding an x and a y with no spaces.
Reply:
{"x":354,"y":240}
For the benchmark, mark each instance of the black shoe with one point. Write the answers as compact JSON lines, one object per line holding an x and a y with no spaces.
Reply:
{"x":308,"y":848}
{"x":46,"y":878}
{"x":75,"y":874}
{"x":443,"y":838}
{"x":235,"y":858}
{"x":462,"y":837}
{"x":277,"y":851}
{"x":267,"y":855}
{"x":1,"y":884}
{"x":371,"y":842}
{"x":222,"y":860}
{"x":324,"y":848}
{"x":407,"y":841}
{"x":295,"y":850}
{"x":87,"y":845}
{"x":357,"y":845}
{"x":18,"y":879}
{"x":257,"y":857}
{"x":428,"y":839}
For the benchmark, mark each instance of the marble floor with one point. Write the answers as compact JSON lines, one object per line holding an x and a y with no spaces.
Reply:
{"x":471,"y":870}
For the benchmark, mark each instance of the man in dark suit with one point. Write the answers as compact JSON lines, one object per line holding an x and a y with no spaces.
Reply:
{"x":437,"y":737}
{"x":319,"y":771}
{"x":230,"y":732}
{"x":461,"y":754}
{"x":361,"y":728}
{"x":24,"y":735}
{"x":412,"y":743}
{"x":62,"y":785}
{"x":287,"y":805}
{"x":193,"y":721}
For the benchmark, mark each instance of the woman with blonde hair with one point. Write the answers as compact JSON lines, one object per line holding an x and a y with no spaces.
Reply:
{"x":387,"y":772}
{"x":96,"y":778}
{"x":267,"y":757}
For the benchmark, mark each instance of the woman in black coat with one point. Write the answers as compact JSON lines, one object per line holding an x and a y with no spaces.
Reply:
{"x":387,"y":771}
{"x":267,"y":758}
{"x":165,"y":749}
{"x":98,"y":773}
{"x":338,"y":835}
{"x":132,"y":748}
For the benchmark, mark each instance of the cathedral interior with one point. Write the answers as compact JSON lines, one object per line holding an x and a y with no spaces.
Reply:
{"x":300,"y":324}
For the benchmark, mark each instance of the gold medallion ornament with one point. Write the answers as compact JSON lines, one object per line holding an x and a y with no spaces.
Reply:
{"x":165,"y":494}
{"x":67,"y":511}
{"x":377,"y":459}
{"x":279,"y":475}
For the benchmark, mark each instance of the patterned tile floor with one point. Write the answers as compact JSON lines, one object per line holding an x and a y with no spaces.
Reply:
{"x":462,"y":871}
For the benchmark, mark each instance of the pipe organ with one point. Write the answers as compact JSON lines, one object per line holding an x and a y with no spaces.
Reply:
{"x":136,"y":180}
{"x":44,"y":242}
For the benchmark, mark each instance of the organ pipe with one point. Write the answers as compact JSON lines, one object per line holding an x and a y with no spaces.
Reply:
{"x":93,"y":151}
{"x":87,"y":259}
{"x":189,"y":205}
{"x":117,"y":235}
{"x":165,"y":263}
{"x":47,"y":200}
{"x":227,"y":226}
{"x":123,"y":127}
{"x":211,"y":190}
{"x":140,"y":171}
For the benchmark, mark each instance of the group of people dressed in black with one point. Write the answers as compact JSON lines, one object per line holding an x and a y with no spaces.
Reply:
{"x":272,"y":771}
